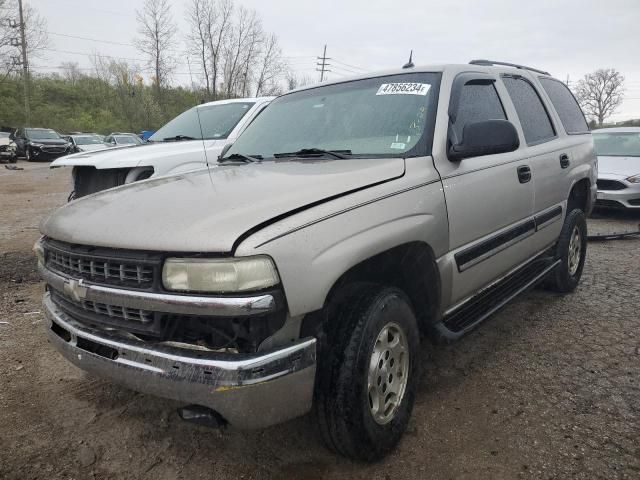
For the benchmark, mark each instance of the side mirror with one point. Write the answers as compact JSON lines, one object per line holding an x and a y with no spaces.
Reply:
{"x":12,"y":136}
{"x":224,"y":151}
{"x":488,"y":137}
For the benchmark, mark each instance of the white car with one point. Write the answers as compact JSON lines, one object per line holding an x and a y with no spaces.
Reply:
{"x":188,"y":142}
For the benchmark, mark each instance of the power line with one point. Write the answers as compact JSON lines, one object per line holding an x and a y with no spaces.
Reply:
{"x":91,"y":39}
{"x":349,"y":65}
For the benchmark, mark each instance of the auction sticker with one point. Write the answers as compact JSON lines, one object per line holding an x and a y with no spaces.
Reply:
{"x":403,"y":89}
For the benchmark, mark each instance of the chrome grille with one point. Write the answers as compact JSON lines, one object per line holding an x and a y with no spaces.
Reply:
{"x":130,"y":319}
{"x":53,"y":149}
{"x":101,"y":266}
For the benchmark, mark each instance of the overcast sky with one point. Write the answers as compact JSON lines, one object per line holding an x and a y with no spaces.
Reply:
{"x":568,"y":38}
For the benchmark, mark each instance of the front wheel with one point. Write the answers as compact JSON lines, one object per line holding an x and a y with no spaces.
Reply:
{"x":367,"y":380}
{"x":571,"y":250}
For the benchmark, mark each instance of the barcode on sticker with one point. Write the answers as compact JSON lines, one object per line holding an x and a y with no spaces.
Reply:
{"x":403,"y":89}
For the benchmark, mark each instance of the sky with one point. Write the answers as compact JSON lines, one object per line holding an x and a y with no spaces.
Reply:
{"x":568,"y":38}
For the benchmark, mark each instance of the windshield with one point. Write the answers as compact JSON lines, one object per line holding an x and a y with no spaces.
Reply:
{"x":126,"y":140}
{"x":87,"y":140}
{"x":617,"y":144}
{"x":384,"y":116}
{"x":217,"y":123}
{"x":42,"y":134}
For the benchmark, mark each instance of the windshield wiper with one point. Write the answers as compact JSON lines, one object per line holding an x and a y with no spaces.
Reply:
{"x":315,"y":152}
{"x":235,"y":157}
{"x":177,"y":138}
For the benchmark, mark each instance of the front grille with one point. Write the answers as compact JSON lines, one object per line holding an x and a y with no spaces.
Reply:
{"x":610,"y":185}
{"x":53,"y":149}
{"x":103,"y":266}
{"x":608,"y":203}
{"x":132,"y":320}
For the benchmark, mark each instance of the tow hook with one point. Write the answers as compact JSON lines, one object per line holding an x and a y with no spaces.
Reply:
{"x":202,"y":416}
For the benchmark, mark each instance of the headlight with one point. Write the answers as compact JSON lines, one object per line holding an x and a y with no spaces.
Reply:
{"x":219,"y":274}
{"x":634,"y":179}
{"x":38,"y":249}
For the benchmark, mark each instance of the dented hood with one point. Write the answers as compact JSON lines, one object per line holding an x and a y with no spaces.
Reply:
{"x":208,"y":210}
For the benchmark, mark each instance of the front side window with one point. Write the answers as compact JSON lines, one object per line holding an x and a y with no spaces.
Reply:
{"x":533,"y":116}
{"x":390,"y":116}
{"x":42,"y":134}
{"x":566,"y":105}
{"x":478,"y":102}
{"x":617,"y":144}
{"x":127,"y":140}
{"x":208,"y":122}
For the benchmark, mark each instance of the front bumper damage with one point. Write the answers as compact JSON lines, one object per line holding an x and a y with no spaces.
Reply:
{"x":249,"y":390}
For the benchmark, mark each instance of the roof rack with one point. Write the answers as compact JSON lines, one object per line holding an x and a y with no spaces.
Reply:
{"x":489,"y":63}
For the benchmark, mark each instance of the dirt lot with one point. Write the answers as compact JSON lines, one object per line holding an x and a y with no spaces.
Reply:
{"x":548,"y":388}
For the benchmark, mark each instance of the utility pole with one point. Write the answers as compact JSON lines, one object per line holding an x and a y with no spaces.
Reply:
{"x":25,"y":67}
{"x":322,"y":63}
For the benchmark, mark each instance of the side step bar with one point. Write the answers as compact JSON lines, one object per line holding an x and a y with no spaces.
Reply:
{"x":487,"y":302}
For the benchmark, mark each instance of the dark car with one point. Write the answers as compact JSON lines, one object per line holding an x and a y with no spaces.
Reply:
{"x":40,"y":144}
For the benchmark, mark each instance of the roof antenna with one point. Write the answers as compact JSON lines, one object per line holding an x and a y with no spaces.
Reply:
{"x":409,"y":64}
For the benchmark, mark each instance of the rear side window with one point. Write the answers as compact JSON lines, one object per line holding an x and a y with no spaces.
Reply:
{"x":566,"y":105}
{"x":533,"y":116}
{"x":477,"y":103}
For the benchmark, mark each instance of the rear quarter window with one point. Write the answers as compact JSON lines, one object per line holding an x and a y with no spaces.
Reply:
{"x":566,"y":105}
{"x":533,"y":116}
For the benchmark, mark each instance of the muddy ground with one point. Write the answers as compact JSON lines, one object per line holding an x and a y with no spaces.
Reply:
{"x":548,"y":388}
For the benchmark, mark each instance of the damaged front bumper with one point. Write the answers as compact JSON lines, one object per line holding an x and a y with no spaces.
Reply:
{"x":247,"y":390}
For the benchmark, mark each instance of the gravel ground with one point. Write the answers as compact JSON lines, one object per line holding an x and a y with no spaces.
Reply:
{"x":548,"y":388}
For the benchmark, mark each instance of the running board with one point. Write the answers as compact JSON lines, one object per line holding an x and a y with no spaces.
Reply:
{"x":469,"y":315}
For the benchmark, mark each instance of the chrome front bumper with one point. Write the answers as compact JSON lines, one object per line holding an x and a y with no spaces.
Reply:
{"x":249,"y":391}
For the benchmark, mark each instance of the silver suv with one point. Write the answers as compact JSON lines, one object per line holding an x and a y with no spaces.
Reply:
{"x":351,"y":224}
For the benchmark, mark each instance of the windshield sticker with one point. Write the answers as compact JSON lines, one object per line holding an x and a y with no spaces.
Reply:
{"x":403,"y":89}
{"x":398,"y":145}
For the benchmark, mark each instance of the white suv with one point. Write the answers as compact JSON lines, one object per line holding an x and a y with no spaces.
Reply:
{"x":185,"y":143}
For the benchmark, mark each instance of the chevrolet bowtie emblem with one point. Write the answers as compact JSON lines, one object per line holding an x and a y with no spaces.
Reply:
{"x":75,"y":289}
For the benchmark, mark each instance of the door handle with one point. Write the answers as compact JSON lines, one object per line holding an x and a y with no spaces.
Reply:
{"x":524,"y":173}
{"x":564,"y":160}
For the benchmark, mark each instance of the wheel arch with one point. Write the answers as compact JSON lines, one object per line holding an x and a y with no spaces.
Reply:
{"x":411,"y":267}
{"x":580,"y":196}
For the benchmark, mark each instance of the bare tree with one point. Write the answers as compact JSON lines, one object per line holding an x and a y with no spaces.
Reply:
{"x":70,"y":71}
{"x":239,"y":50}
{"x":294,"y":81}
{"x":271,"y":67}
{"x":157,"y":36}
{"x":600,"y":93}
{"x":36,"y":35}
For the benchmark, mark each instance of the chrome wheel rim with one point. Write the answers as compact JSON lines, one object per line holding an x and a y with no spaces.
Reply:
{"x":388,"y":373}
{"x":575,"y":250}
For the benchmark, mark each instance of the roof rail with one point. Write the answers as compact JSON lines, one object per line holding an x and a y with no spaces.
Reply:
{"x":489,"y":63}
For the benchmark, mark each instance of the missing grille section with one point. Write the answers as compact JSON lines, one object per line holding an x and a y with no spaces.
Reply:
{"x":96,"y":348}
{"x":61,"y":332}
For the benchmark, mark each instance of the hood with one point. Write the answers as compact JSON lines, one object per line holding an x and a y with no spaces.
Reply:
{"x":49,"y":141}
{"x":134,"y":156}
{"x":623,"y":166}
{"x":92,"y":147}
{"x":208,"y":210}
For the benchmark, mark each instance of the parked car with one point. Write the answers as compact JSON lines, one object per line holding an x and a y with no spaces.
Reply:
{"x":347,"y":222}
{"x":7,"y":148}
{"x":117,"y":139}
{"x":618,"y":151}
{"x":85,"y":142}
{"x":40,"y":144}
{"x":187,"y":142}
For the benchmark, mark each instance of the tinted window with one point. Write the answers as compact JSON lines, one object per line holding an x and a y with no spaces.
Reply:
{"x":565,"y":104}
{"x":533,"y":116}
{"x":477,"y":103}
{"x":42,"y":134}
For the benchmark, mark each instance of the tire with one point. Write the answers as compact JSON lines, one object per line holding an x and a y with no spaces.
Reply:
{"x":28,"y":155}
{"x":571,"y":250}
{"x":350,"y":384}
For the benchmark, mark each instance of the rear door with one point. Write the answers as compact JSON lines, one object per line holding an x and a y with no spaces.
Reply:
{"x":489,"y":206}
{"x":549,"y":156}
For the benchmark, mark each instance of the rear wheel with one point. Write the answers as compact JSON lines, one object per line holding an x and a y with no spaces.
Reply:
{"x":367,"y":379}
{"x":571,"y":250}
